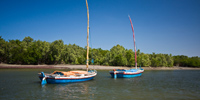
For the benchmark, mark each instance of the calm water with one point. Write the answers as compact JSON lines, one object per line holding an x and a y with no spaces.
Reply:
{"x":152,"y":85}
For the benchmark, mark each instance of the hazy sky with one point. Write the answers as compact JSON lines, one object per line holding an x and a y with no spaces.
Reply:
{"x":161,"y":26}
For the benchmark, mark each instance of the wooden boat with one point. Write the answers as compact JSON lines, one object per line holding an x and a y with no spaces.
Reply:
{"x":128,"y":73}
{"x":70,"y":76}
{"x":67,"y":77}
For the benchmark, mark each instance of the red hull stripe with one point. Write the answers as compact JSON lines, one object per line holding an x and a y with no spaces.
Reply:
{"x":66,"y":78}
{"x":126,"y":73}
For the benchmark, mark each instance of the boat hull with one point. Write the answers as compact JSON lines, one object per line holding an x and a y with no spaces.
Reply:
{"x":121,"y":75}
{"x":66,"y":80}
{"x":126,"y":73}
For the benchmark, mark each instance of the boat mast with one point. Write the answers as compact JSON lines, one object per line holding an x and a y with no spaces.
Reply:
{"x":87,"y":61}
{"x":134,"y":43}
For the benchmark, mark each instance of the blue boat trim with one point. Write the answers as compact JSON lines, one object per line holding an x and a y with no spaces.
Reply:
{"x":56,"y":81}
{"x":65,"y":79}
{"x":124,"y":73}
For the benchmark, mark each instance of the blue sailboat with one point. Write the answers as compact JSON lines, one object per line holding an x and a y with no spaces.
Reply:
{"x":66,"y":77}
{"x":128,"y":73}
{"x":70,"y":76}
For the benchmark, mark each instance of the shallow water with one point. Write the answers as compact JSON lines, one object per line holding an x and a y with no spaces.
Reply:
{"x":152,"y":85}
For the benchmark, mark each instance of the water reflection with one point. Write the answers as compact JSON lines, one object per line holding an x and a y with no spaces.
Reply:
{"x":81,"y":90}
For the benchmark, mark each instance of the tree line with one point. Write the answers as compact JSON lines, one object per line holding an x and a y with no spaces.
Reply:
{"x":30,"y":51}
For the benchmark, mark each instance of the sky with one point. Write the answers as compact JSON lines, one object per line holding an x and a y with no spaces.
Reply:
{"x":161,"y":26}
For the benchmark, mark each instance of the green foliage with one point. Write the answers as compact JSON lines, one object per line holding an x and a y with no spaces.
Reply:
{"x":144,"y":60}
{"x":30,"y":51}
{"x":185,"y":61}
{"x":161,"y":60}
{"x":74,"y":54}
{"x":130,"y":58}
{"x":3,"y":47}
{"x":97,"y":54}
{"x":118,"y":56}
{"x":57,"y":51}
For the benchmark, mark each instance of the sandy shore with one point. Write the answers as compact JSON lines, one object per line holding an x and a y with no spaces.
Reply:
{"x":97,"y":67}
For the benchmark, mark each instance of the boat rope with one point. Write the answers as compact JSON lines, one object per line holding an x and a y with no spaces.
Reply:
{"x":90,"y":35}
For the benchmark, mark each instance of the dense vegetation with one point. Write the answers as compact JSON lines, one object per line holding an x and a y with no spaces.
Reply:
{"x":29,"y":51}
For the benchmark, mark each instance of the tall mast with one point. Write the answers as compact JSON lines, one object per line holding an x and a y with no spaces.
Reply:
{"x":87,"y":61}
{"x":134,"y":43}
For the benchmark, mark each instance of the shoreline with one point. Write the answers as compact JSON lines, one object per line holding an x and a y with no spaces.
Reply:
{"x":97,"y":67}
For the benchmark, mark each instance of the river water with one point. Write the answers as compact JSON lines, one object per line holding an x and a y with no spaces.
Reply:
{"x":152,"y":85}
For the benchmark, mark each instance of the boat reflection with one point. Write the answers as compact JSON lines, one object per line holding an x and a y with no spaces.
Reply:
{"x":82,"y":90}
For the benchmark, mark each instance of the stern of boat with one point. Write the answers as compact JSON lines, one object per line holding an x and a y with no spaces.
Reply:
{"x":42,"y":78}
